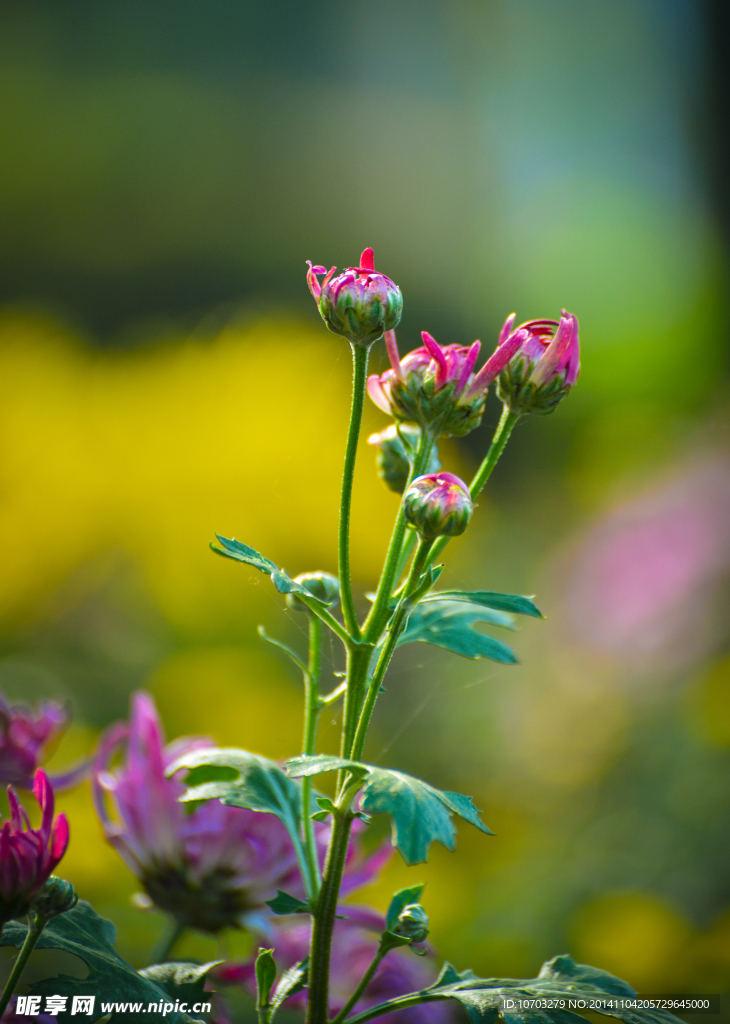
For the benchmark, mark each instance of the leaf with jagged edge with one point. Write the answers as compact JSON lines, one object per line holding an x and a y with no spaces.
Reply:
{"x":448,"y":624}
{"x":239,"y":778}
{"x":281,"y":579}
{"x":83,"y":933}
{"x":295,"y":979}
{"x":487,"y":1000}
{"x":181,"y":981}
{"x":518,"y":604}
{"x":420,"y":814}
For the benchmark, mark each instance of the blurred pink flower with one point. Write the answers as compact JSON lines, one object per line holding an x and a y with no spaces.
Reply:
{"x":435,"y":387}
{"x":25,"y":735}
{"x":641,"y":581}
{"x":354,"y":944}
{"x":214,"y":867}
{"x":27,"y":855}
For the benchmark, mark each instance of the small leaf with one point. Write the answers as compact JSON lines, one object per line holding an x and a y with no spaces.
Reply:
{"x":257,"y":783}
{"x":265,"y":976}
{"x":181,"y":981}
{"x":283,"y":903}
{"x":449,"y":624}
{"x":320,"y":816}
{"x":326,"y":804}
{"x":279,"y":577}
{"x":84,"y":934}
{"x":295,"y":979}
{"x":400,"y":900}
{"x":516,"y":603}
{"x":420,"y":814}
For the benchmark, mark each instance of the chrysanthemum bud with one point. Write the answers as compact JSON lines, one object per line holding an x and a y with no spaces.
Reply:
{"x":360,"y":304}
{"x":56,"y":897}
{"x":545,"y":367}
{"x":412,"y":923}
{"x":438,"y":505}
{"x":393,"y":463}
{"x":322,"y":585}
{"x":436,"y":387}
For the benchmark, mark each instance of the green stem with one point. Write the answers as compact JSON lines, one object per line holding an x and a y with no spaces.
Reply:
{"x":382,"y":951}
{"x":36,"y":924}
{"x":401,"y":1003}
{"x":501,"y":437}
{"x":312,"y":708}
{"x":162,"y":950}
{"x":329,"y":620}
{"x":358,"y":663}
{"x":360,"y":358}
{"x":379,"y":612}
{"x":324,"y":920}
{"x":394,"y":631}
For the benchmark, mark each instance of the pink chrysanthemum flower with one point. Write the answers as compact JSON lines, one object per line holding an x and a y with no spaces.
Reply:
{"x":545,"y":367}
{"x":29,"y":855}
{"x":361,"y":304}
{"x":436,"y":387}
{"x":212,"y":868}
{"x":25,"y":736}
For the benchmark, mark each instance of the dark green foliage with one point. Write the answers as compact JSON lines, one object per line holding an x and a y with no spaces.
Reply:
{"x":449,"y":624}
{"x":420,"y":814}
{"x":516,"y":603}
{"x":279,"y":577}
{"x":84,"y":934}
{"x":284,"y":903}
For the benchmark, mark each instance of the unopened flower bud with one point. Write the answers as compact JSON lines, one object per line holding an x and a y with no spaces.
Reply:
{"x":438,"y":505}
{"x":412,"y":923}
{"x":360,"y":304}
{"x":56,"y":897}
{"x":545,"y":367}
{"x":322,"y":585}
{"x":393,"y":462}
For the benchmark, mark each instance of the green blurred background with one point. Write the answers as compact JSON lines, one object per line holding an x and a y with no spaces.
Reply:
{"x":168,"y":167}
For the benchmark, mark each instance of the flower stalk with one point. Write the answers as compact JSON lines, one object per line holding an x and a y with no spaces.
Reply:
{"x":36,"y":924}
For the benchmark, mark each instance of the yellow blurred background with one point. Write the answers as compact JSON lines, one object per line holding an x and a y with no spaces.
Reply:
{"x":164,"y":376}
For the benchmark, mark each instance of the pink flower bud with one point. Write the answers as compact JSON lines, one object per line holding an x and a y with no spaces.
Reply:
{"x":29,"y":855}
{"x":545,"y":367}
{"x":435,"y":387}
{"x":25,"y":736}
{"x":438,"y":505}
{"x":360,"y":304}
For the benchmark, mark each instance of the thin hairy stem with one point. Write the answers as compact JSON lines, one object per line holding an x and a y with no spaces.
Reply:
{"x":360,"y":358}
{"x":382,"y":951}
{"x":329,"y":620}
{"x":312,"y":708}
{"x":36,"y":924}
{"x":402,"y":1003}
{"x":394,"y":631}
{"x":379,"y":612}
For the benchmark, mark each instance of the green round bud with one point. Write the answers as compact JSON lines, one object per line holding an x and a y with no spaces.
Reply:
{"x":412,"y":923}
{"x":393,"y":464}
{"x":322,"y":585}
{"x":438,"y":505}
{"x":56,"y":897}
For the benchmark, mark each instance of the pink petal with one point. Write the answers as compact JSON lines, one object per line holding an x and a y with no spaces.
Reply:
{"x":469,"y":361}
{"x":556,"y":354}
{"x":44,"y":795}
{"x":436,"y":353}
{"x":495,"y":364}
{"x":367,"y":260}
{"x":506,"y":329}
{"x":378,"y":394}
{"x":59,"y":839}
{"x":392,"y":346}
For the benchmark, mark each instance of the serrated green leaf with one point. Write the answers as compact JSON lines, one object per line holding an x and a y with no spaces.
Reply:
{"x":295,"y":979}
{"x":560,"y":978}
{"x":420,"y":814}
{"x":284,"y":903}
{"x":240,"y":552}
{"x":449,"y":624}
{"x":84,"y":934}
{"x":402,"y":899}
{"x":185,"y":982}
{"x":516,"y":603}
{"x":257,"y":784}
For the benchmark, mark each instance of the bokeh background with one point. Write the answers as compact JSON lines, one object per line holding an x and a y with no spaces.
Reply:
{"x":168,"y":167}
